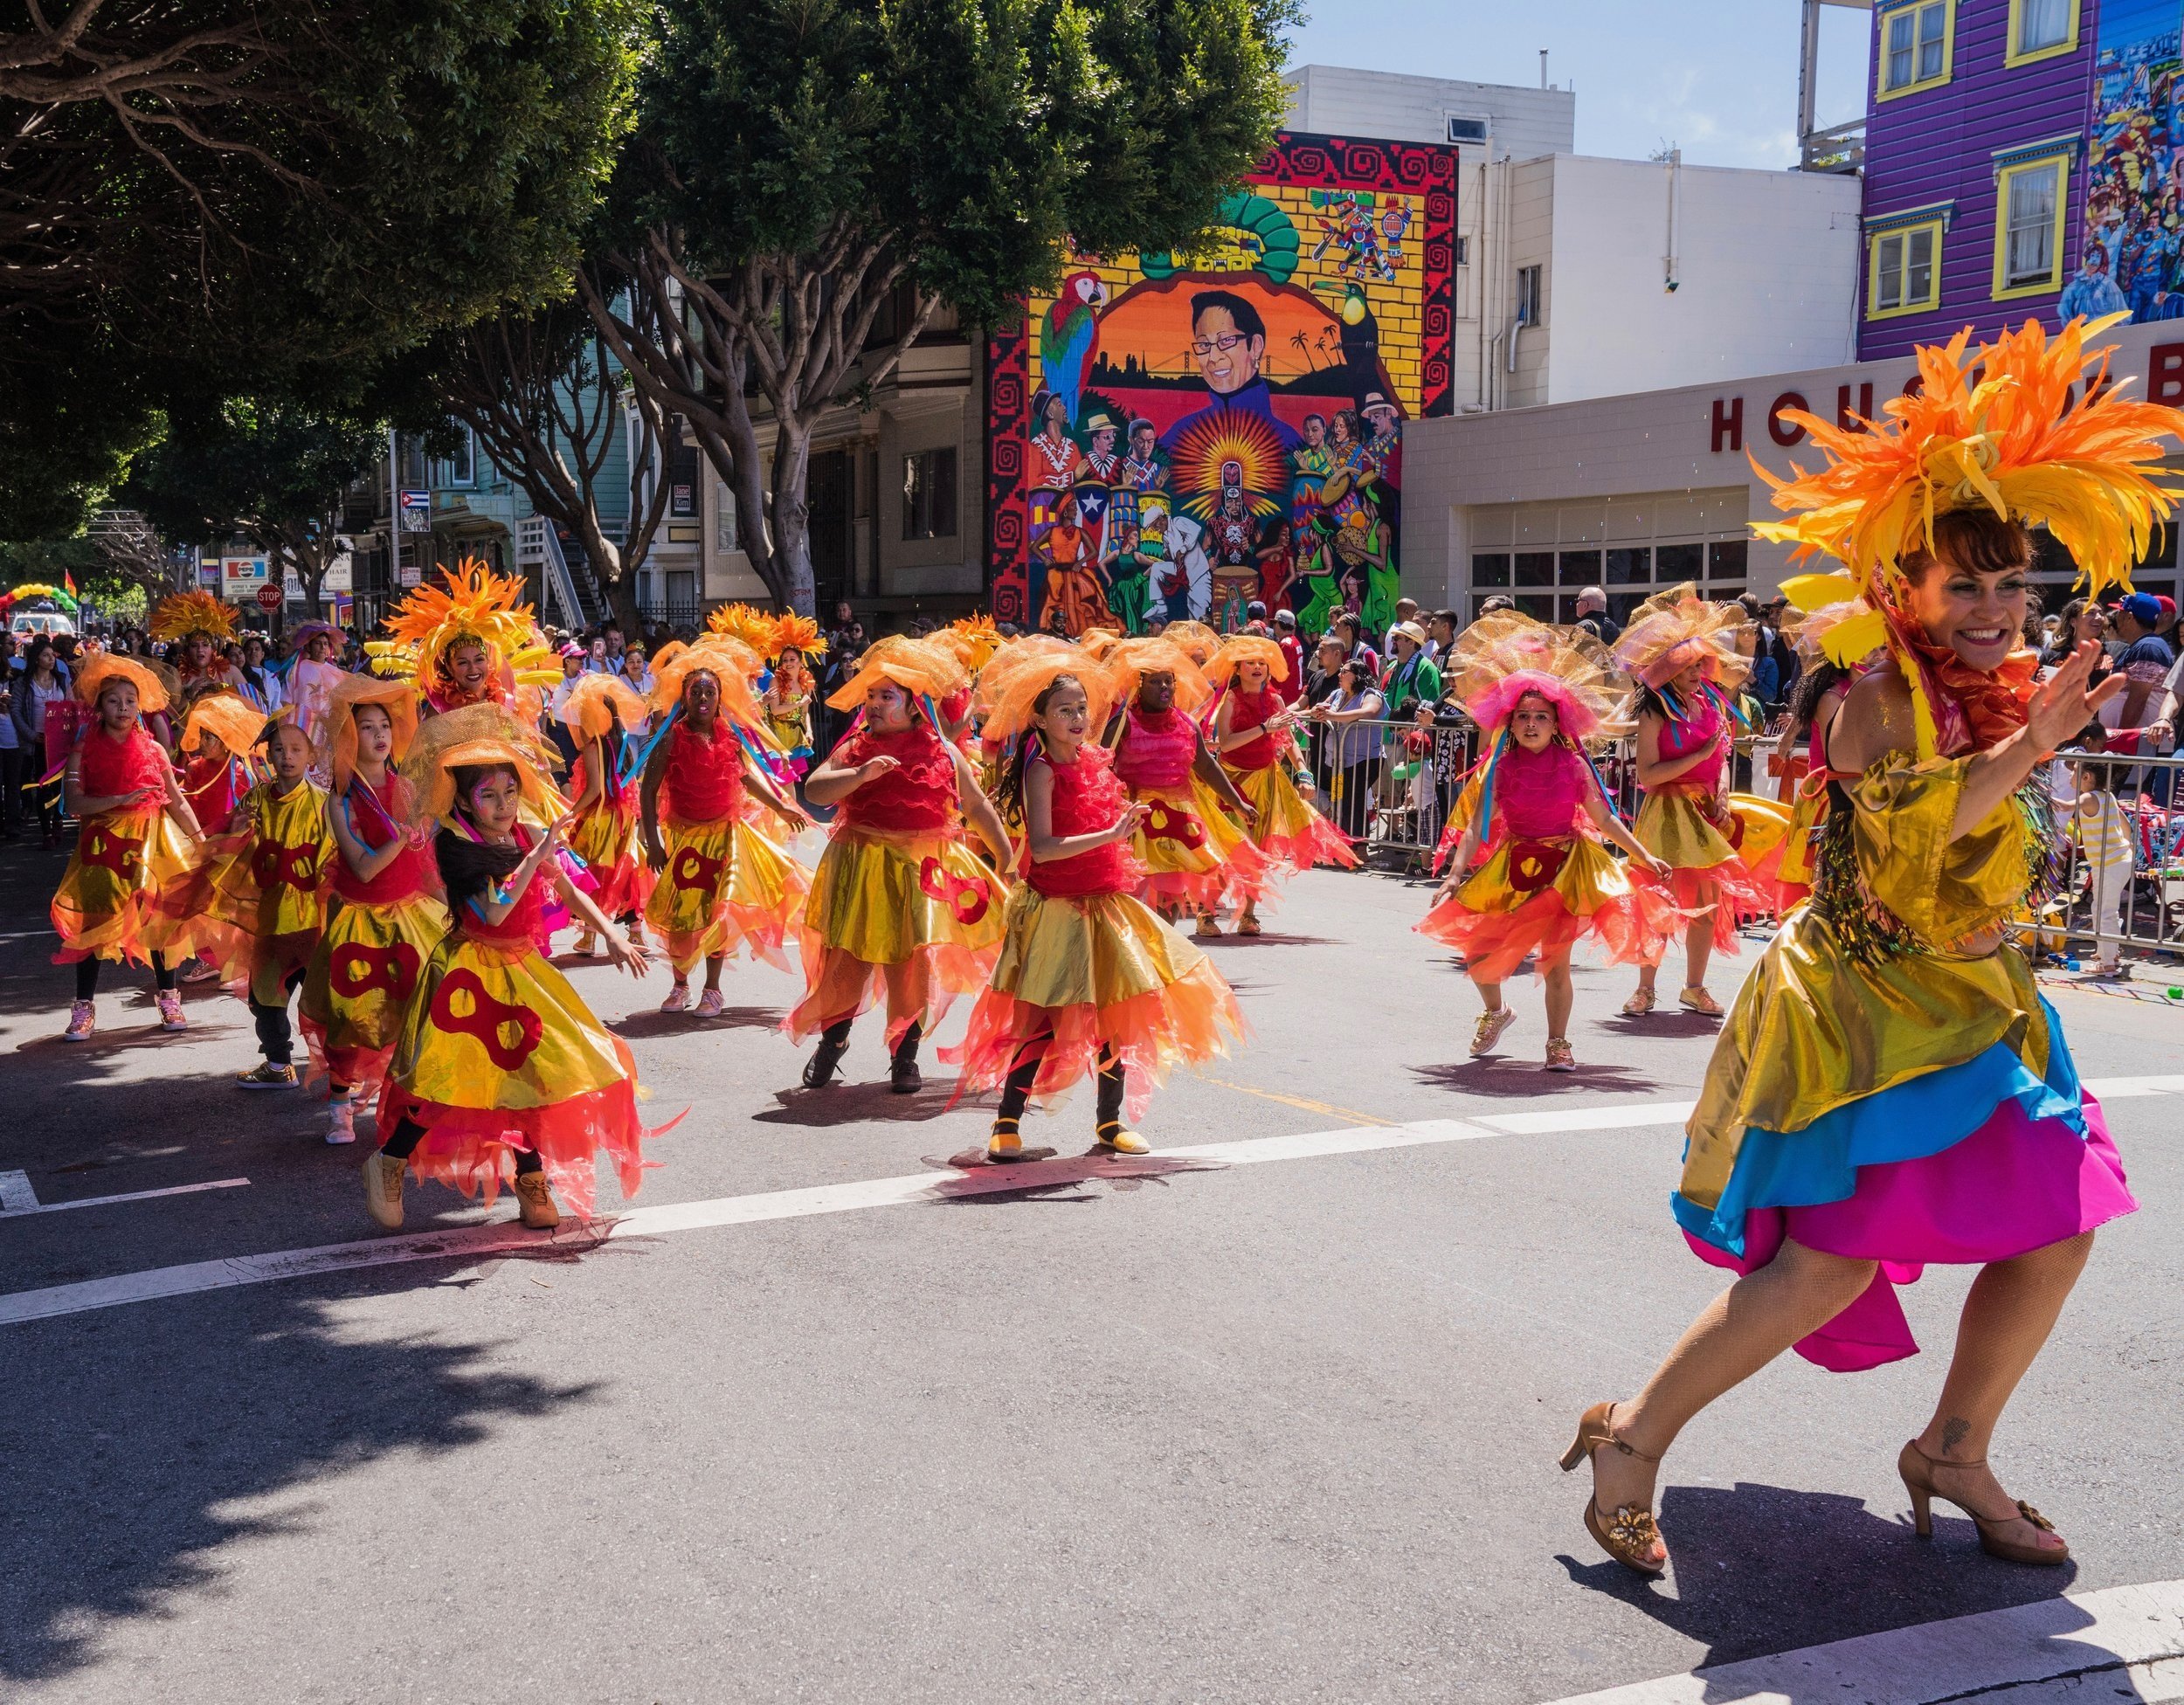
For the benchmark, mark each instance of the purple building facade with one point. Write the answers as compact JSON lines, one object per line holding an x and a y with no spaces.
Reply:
{"x":1981,"y":140}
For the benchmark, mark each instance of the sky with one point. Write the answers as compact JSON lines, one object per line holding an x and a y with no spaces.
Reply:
{"x":1717,"y":77}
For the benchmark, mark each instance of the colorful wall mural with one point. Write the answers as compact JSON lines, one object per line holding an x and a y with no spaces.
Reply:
{"x":1199,"y":431}
{"x":2134,"y":252}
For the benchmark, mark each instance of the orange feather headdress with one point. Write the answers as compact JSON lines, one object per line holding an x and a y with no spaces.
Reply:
{"x":745,"y":623}
{"x":185,"y":613}
{"x":975,"y":639}
{"x":793,"y":633}
{"x":476,"y":606}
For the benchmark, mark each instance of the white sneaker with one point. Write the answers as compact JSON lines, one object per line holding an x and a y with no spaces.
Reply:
{"x":341,"y":1120}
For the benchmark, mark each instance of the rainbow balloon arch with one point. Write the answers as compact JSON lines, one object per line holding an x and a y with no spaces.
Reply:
{"x":31,"y":590}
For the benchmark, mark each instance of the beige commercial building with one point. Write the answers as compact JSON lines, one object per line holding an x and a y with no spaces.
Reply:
{"x":1638,"y":492}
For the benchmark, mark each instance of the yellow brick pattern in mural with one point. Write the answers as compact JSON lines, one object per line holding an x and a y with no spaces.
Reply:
{"x":1328,"y":264}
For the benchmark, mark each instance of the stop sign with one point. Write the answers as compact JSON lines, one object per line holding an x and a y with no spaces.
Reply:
{"x":269,"y":598}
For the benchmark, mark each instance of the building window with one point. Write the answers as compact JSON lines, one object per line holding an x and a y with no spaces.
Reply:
{"x":1916,"y":43}
{"x":2028,"y":209}
{"x":462,"y":466}
{"x":1490,"y":569}
{"x":682,"y":480}
{"x":1535,"y":567}
{"x":1579,"y":567}
{"x":929,"y":493}
{"x":1725,"y":560}
{"x":1676,"y":565}
{"x":1901,"y":277}
{"x":1528,"y":302}
{"x":724,"y":519}
{"x":2041,"y":29}
{"x":1630,"y":566}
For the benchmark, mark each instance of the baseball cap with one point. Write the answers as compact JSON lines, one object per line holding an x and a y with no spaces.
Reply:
{"x":2144,"y":608}
{"x":1285,"y":618}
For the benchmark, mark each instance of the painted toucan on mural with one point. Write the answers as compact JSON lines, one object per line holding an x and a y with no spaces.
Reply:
{"x":1070,"y":338}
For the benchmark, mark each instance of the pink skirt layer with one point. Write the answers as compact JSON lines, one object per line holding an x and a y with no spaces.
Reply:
{"x":2016,"y":1184}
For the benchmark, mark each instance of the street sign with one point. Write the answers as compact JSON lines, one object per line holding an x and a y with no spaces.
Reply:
{"x":416,"y":512}
{"x":269,"y":598}
{"x":241,"y":576}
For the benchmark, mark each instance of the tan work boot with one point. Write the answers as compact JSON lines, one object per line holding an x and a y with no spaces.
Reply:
{"x":382,"y":1189}
{"x":535,"y":1202}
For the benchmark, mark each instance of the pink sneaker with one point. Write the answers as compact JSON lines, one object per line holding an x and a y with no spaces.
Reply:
{"x":677,"y":1000}
{"x":82,"y":1018}
{"x":712,"y":1003}
{"x":170,"y":1016}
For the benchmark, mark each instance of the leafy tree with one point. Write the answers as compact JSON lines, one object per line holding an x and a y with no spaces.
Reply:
{"x":797,"y":160}
{"x":198,"y":196}
{"x":547,"y":401}
{"x":272,"y":470}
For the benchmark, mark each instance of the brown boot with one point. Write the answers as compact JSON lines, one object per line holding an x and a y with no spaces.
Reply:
{"x":534,"y":1203}
{"x":383,"y":1190}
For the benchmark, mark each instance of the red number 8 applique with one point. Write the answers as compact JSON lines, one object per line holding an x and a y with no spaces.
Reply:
{"x":355,"y":968}
{"x":486,"y":1019}
{"x":1163,"y":822}
{"x":966,"y":899}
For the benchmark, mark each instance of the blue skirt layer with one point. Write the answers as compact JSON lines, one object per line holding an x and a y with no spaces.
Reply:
{"x":1913,"y":1120}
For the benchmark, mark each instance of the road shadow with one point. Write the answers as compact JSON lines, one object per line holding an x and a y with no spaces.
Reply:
{"x":143,"y":1443}
{"x":1497,"y":1074}
{"x":1763,"y":1568}
{"x":649,"y":1026}
{"x":842,"y":1104}
{"x":980,"y":1180}
{"x":1668,"y":1020}
{"x":1231,"y":942}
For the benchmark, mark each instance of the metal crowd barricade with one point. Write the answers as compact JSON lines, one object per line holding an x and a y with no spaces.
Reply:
{"x":2123,"y":821}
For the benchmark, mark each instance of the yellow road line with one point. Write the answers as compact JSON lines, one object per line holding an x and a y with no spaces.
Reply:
{"x":1303,"y":1105}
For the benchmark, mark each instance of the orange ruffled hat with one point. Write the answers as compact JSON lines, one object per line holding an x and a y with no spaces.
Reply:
{"x":1008,"y":694}
{"x":1240,"y":649}
{"x":595,"y":701}
{"x":479,"y":734}
{"x":1673,"y":630}
{"x":1196,"y":639}
{"x":228,"y":717}
{"x":154,"y":690}
{"x":728,"y":660}
{"x":919,"y":666}
{"x":338,"y":736}
{"x":1156,"y":654}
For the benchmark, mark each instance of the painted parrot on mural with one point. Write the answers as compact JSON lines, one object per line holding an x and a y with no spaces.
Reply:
{"x":1070,"y":338}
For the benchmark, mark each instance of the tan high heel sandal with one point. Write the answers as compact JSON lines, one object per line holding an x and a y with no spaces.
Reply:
{"x":1629,"y":1533}
{"x":1917,"y":1470}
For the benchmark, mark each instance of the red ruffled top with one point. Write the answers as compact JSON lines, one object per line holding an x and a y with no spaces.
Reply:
{"x":110,"y":766}
{"x":1539,"y":795}
{"x":375,"y":817}
{"x":703,"y":782}
{"x":1156,"y":751}
{"x":520,"y":927}
{"x":1088,"y":797}
{"x":209,"y":785}
{"x":1252,"y":709}
{"x":920,"y":795}
{"x":1681,"y":739}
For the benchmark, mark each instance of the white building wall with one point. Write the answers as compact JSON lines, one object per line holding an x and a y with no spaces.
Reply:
{"x":1340,"y":100}
{"x":1766,"y":276}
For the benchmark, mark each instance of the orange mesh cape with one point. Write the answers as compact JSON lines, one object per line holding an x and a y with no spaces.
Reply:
{"x":1199,"y":640}
{"x":1237,"y":650}
{"x":338,"y":736}
{"x":919,"y":666}
{"x":185,"y":613}
{"x":1673,"y":630}
{"x":595,"y":701}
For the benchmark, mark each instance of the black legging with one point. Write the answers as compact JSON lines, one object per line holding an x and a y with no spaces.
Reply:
{"x":87,"y":976}
{"x":408,"y":1133}
{"x":275,"y":1039}
{"x":1017,"y":1091}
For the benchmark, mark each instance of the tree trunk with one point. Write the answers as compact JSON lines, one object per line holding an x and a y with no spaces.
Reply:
{"x":793,"y":521}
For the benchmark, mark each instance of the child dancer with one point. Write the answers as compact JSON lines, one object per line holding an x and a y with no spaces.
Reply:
{"x":1537,"y":808}
{"x":270,"y":888}
{"x":899,"y":902}
{"x":1681,"y":650}
{"x":501,"y":1069}
{"x":788,"y":699}
{"x":1188,"y":842}
{"x":1251,"y":735}
{"x":597,"y":713}
{"x":386,"y":917}
{"x":219,"y":730}
{"x":1090,"y":981}
{"x":722,"y":883}
{"x":136,"y":843}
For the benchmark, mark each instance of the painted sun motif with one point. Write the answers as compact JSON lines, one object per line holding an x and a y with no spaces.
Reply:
{"x":1230,"y":436}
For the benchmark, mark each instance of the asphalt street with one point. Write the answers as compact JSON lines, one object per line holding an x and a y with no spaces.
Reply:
{"x":1191,"y":1431}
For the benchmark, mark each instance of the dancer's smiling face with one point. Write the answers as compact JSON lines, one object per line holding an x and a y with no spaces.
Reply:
{"x":1067,"y":714}
{"x":1252,"y":677}
{"x":701,"y":698}
{"x":467,"y":666}
{"x":1977,"y":613}
{"x":494,"y":801}
{"x":1533,"y":723}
